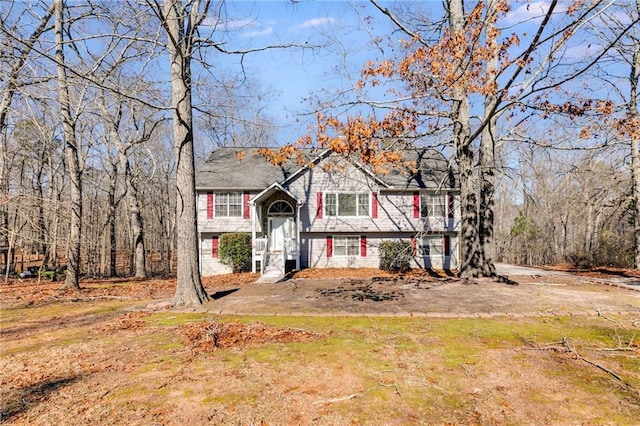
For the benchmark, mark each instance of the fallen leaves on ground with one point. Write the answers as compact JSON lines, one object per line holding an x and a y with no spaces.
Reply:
{"x":127,"y":321}
{"x":335,"y":273}
{"x":31,"y":292}
{"x":207,"y":336}
{"x":597,"y":272}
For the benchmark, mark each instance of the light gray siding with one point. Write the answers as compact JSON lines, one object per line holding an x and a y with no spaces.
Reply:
{"x":395,"y":218}
{"x":395,"y":208}
{"x":210,"y":265}
{"x":219,"y":224}
{"x":314,"y":252}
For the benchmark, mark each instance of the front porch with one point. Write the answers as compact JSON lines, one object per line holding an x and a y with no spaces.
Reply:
{"x":275,"y":230}
{"x":272,"y":262}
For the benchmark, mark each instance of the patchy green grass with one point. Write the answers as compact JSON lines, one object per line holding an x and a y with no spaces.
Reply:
{"x":369,"y":370}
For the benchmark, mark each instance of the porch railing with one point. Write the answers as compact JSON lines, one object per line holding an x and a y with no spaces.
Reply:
{"x":291,"y":246}
{"x":260,"y":250}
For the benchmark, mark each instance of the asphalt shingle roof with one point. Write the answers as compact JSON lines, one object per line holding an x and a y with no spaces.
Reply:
{"x":241,"y":168}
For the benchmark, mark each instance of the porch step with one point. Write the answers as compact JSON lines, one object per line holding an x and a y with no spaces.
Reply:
{"x":273,"y":268}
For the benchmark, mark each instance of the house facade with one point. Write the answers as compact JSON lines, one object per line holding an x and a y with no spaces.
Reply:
{"x":329,"y":212}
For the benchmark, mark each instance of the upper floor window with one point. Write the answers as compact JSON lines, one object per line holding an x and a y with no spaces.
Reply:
{"x":433,"y":205}
{"x":228,"y":204}
{"x":346,"y":204}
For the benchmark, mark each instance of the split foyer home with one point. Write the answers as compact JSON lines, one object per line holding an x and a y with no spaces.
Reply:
{"x":329,"y":212}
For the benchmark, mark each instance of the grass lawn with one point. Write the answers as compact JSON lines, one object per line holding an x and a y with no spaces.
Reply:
{"x":99,"y":361}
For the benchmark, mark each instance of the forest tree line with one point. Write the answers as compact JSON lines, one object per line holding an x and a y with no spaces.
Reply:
{"x":557,"y":177}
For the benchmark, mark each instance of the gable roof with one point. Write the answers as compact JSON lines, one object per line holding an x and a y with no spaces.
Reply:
{"x":242,"y":168}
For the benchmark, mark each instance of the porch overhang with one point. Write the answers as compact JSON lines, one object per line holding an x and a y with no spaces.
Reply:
{"x":271,"y":190}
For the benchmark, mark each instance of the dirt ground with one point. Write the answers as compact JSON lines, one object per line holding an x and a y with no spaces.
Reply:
{"x":324,"y":347}
{"x":421,"y":293}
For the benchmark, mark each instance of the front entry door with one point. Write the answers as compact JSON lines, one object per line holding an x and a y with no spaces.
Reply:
{"x":277,"y":233}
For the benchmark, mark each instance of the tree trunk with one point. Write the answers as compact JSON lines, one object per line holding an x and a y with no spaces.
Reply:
{"x":133,"y":206}
{"x":179,"y":25}
{"x":43,"y":235}
{"x":487,"y":154}
{"x":113,"y":181}
{"x":71,"y":149}
{"x":470,"y":259}
{"x":634,"y":118}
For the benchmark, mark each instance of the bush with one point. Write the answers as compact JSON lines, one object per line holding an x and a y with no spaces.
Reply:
{"x":395,"y":256}
{"x":235,"y":251}
{"x":48,"y":275}
{"x":580,"y":260}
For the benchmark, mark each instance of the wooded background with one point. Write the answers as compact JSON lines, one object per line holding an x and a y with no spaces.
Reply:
{"x":564,"y":157}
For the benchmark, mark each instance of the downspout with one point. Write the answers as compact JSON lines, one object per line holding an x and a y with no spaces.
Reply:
{"x":298,"y":239}
{"x":252,"y":217}
{"x":200,"y":252}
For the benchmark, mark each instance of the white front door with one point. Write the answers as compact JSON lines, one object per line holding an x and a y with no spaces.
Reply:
{"x":277,"y":232}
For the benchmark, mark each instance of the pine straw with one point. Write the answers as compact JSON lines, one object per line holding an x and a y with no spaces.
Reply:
{"x":128,"y":321}
{"x":333,"y":273}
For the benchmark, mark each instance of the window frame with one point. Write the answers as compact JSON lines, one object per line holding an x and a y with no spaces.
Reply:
{"x":284,"y":213}
{"x":332,"y":204}
{"x":435,"y":241}
{"x":430,"y":202}
{"x":346,"y":239}
{"x":223,"y":200}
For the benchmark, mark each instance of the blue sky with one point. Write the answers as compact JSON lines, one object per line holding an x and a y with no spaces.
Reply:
{"x":344,"y":29}
{"x":337,"y":27}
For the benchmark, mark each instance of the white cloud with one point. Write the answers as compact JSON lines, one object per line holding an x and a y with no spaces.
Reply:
{"x":257,"y":33}
{"x":317,"y":22}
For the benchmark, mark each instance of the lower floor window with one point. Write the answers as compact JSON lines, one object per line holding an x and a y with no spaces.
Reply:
{"x":346,"y":246}
{"x":432,"y":245}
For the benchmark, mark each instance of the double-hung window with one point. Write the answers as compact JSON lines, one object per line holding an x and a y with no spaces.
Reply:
{"x":346,"y":246}
{"x":433,"y":205}
{"x":432,"y":246}
{"x":228,"y":204}
{"x":346,"y":204}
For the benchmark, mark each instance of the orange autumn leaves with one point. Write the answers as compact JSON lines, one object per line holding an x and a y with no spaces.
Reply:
{"x":376,"y":143}
{"x":426,"y":75}
{"x":457,"y":59}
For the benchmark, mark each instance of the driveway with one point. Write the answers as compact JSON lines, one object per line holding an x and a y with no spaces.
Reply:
{"x":528,"y":292}
{"x":517,"y":270}
{"x":509,"y":270}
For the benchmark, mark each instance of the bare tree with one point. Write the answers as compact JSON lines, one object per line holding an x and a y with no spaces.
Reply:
{"x":72,"y":279}
{"x":11,"y":83}
{"x":451,"y":66}
{"x":181,"y":23}
{"x":625,"y":88}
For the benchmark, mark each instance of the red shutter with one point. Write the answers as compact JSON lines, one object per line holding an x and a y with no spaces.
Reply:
{"x":319,"y":205}
{"x":450,"y":205}
{"x":209,"y":205}
{"x":374,"y":205}
{"x":329,"y":246}
{"x":363,"y":246}
{"x":446,"y":246}
{"x":414,"y":246}
{"x":247,"y":212}
{"x":214,"y":247}
{"x":416,"y":205}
